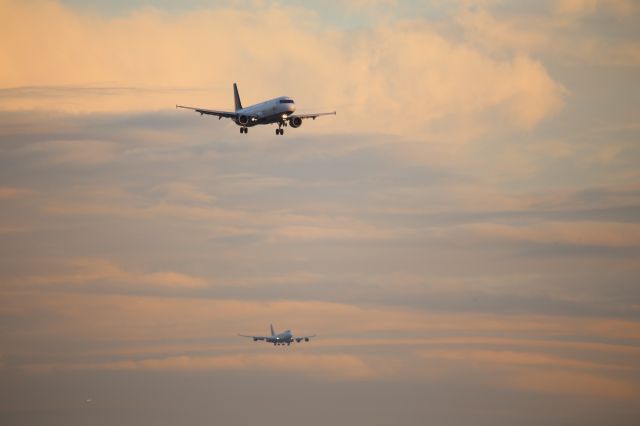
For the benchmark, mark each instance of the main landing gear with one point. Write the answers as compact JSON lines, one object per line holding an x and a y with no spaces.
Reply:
{"x":244,"y":130}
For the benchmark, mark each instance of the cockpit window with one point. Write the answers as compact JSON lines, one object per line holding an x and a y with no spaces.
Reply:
{"x":286,"y":101}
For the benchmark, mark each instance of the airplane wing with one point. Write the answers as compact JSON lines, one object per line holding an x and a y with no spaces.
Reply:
{"x":313,"y":115}
{"x":305,"y":338}
{"x":219,"y":114}
{"x":255,"y":338}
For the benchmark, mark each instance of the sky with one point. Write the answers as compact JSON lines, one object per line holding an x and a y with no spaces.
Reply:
{"x":463,"y":236}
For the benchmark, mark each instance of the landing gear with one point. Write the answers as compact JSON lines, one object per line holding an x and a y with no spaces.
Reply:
{"x":279,"y":131}
{"x":244,"y":130}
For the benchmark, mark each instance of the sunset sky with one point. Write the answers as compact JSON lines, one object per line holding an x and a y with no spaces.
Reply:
{"x":463,"y":236}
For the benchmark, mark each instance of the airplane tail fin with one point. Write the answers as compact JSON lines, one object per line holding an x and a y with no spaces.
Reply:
{"x":236,"y":97}
{"x":273,"y":333}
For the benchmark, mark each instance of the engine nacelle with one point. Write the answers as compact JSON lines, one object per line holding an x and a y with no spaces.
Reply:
{"x":306,"y":339}
{"x":243,"y":119}
{"x":295,"y":122}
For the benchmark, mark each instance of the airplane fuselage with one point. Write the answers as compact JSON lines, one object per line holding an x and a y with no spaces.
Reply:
{"x":272,"y":111}
{"x":281,"y":339}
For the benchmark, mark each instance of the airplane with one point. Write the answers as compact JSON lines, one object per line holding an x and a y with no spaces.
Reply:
{"x":280,"y":338}
{"x":278,"y":111}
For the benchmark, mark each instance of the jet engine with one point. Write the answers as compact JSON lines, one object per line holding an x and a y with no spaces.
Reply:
{"x":295,"y":122}
{"x":243,"y":119}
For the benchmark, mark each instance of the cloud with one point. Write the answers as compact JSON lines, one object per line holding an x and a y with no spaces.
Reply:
{"x":507,"y":344}
{"x":84,"y":271}
{"x":74,"y":152}
{"x":157,"y":334}
{"x":10,"y":192}
{"x":580,"y":8}
{"x":183,"y":192}
{"x":540,"y":372}
{"x":560,"y":31}
{"x":442,"y":79}
{"x":187,"y":203}
{"x":578,"y":233}
{"x":128,"y":317}
{"x":505,"y":358}
{"x":339,"y":366}
{"x":10,"y":198}
{"x":331,"y":229}
{"x":11,"y":229}
{"x":574,"y":383}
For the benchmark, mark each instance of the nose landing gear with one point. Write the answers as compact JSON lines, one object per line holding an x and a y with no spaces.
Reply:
{"x":244,"y":130}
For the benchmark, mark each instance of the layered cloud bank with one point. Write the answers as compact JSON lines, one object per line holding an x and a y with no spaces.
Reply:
{"x":463,"y":236}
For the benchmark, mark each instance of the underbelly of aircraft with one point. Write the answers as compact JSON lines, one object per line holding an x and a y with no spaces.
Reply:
{"x":269,"y":119}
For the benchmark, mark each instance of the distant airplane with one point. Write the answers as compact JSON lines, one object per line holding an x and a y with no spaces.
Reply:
{"x":281,"y":338}
{"x":275,"y":111}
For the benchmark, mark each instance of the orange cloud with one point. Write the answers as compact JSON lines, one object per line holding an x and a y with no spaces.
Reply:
{"x":74,"y":152}
{"x":85,"y":271}
{"x":575,"y":383}
{"x":541,"y":372}
{"x":398,"y":77}
{"x":187,"y":203}
{"x":151,"y":318}
{"x":518,"y":358}
{"x":583,"y":347}
{"x":338,"y":366}
{"x":163,"y":333}
{"x":9,"y":196}
{"x":582,"y":233}
{"x":620,"y":8}
{"x":182,"y":191}
{"x":10,"y":192}
{"x":560,"y":32}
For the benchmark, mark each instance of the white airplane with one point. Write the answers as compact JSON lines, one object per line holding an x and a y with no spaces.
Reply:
{"x":275,"y":111}
{"x":280,"y":339}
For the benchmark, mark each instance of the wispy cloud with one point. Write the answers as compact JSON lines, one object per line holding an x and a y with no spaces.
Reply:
{"x":74,"y":152}
{"x":572,"y":233}
{"x":79,"y":272}
{"x":330,"y":367}
{"x":10,"y":192}
{"x":575,"y":383}
{"x":541,"y":372}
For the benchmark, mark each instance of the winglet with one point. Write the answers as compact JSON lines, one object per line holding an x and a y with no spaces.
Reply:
{"x":273,"y":333}
{"x":236,"y":97}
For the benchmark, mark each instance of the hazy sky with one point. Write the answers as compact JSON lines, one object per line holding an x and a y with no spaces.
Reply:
{"x":463,"y":237}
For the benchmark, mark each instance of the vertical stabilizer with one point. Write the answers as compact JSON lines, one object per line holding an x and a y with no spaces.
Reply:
{"x":273,"y":333}
{"x":236,"y":97}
